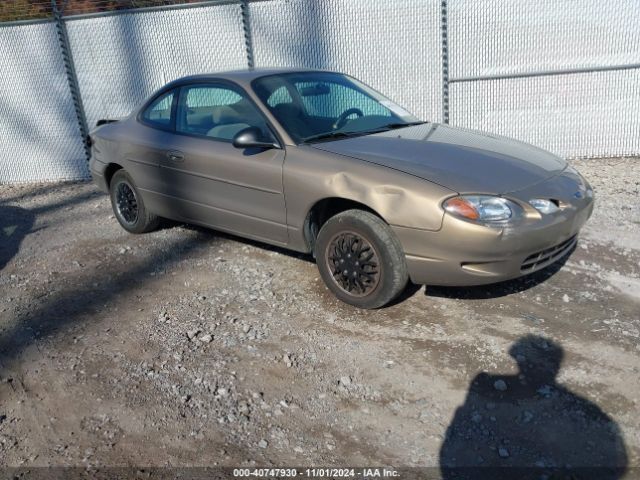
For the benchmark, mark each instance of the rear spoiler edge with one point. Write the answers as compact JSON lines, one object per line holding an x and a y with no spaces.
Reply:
{"x":105,"y":121}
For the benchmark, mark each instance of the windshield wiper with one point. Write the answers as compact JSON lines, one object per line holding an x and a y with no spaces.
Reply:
{"x":393,"y":126}
{"x":329,"y":135}
{"x":384,"y":128}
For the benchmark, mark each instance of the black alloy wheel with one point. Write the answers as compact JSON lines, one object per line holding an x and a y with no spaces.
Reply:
{"x":353,"y":263}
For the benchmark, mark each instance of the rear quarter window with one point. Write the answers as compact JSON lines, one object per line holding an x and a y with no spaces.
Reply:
{"x":159,"y":112}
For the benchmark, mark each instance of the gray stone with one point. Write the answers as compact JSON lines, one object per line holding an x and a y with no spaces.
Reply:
{"x":287,"y":360}
{"x":500,"y":385}
{"x":191,"y":334}
{"x":527,"y":416}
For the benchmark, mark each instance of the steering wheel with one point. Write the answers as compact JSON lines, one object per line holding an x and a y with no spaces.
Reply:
{"x":341,"y":121}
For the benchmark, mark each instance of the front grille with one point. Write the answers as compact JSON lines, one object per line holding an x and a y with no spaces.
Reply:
{"x":546,"y":257}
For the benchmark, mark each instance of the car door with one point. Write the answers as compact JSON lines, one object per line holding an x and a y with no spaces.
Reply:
{"x":212,"y":182}
{"x":144,"y":144}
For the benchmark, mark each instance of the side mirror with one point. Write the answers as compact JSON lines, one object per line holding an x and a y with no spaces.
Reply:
{"x":252,"y":137}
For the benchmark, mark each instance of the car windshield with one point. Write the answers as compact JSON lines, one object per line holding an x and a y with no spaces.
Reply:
{"x":317,"y":106}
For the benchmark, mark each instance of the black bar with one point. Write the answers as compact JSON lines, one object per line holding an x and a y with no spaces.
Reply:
{"x":72,"y":79}
{"x":445,"y":63}
{"x":246,"y":27}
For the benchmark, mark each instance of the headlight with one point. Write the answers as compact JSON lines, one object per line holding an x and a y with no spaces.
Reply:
{"x":481,"y":208}
{"x":543,"y":205}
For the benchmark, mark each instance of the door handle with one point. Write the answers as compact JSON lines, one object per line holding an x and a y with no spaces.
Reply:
{"x":175,"y":156}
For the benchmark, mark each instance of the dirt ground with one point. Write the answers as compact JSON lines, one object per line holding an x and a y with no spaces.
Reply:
{"x":186,"y":347}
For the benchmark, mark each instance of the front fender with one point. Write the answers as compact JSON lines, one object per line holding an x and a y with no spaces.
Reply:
{"x":403,"y":200}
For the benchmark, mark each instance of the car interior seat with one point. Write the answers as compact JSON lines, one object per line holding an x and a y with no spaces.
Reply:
{"x":228,"y":122}
{"x":291,"y":115}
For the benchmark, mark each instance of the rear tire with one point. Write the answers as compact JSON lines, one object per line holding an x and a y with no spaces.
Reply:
{"x":128,"y":205}
{"x":360,"y":259}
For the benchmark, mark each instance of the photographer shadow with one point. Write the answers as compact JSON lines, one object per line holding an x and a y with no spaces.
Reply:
{"x":529,"y":426}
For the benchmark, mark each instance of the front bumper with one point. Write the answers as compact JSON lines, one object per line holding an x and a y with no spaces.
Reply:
{"x":462,"y":253}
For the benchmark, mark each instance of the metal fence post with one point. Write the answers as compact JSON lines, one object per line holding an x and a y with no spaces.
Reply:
{"x":72,"y":79}
{"x":246,"y":26}
{"x":445,"y":63}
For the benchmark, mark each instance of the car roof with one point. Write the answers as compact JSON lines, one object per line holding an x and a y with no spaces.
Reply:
{"x":241,"y":76}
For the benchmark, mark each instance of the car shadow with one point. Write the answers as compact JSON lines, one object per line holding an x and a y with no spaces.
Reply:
{"x":501,"y":289}
{"x":307,"y":257}
{"x":528,"y":426}
{"x":409,"y":291}
{"x":15,"y":224}
{"x":495,"y":290}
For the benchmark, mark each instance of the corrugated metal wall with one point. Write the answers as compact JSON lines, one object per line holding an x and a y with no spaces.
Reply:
{"x":120,"y":59}
{"x":392,"y":46}
{"x":501,"y":59}
{"x":39,"y":135}
{"x":573,"y":114}
{"x":516,"y":36}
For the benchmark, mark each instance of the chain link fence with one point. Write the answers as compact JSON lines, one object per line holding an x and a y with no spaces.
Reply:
{"x":563,"y":75}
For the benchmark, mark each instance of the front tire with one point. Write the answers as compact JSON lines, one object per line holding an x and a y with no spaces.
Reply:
{"x":128,"y":205}
{"x":360,"y":259}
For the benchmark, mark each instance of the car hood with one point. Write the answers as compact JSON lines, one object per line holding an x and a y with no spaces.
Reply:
{"x":459,"y":159}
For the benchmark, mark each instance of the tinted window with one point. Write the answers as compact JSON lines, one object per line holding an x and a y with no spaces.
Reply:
{"x":218,"y":112}
{"x":330,"y":99}
{"x":312,"y":104}
{"x":159,"y":112}
{"x":280,"y":95}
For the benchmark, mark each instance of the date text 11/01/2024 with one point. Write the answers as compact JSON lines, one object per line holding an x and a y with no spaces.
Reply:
{"x":316,"y":472}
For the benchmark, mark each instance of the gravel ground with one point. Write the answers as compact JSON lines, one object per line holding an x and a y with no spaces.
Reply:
{"x":188,"y":347}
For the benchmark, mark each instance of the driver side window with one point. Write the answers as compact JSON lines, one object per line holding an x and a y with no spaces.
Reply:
{"x":216,"y":111}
